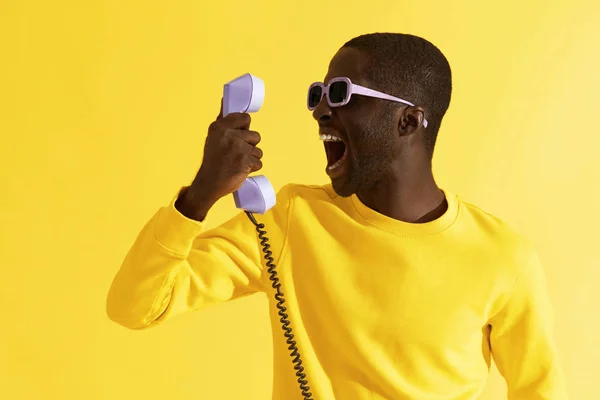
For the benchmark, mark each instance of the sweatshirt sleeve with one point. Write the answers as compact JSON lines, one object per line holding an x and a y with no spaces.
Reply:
{"x":522,"y":339}
{"x":175,"y":265}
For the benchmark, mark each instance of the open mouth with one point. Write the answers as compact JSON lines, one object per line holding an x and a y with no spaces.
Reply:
{"x":336,"y":150}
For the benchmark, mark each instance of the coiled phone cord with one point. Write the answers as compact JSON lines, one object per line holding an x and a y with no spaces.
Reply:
{"x":285,"y":322}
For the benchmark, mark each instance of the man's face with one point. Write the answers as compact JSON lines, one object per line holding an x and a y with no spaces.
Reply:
{"x":366,"y":128}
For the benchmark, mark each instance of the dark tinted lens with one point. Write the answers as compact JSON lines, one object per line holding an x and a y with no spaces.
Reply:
{"x":314,"y":96}
{"x":338,"y":92}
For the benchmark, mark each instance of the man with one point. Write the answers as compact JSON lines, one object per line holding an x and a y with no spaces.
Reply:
{"x":394,"y":288}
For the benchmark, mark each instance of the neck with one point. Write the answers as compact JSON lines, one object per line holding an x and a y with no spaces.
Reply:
{"x":405,"y":195}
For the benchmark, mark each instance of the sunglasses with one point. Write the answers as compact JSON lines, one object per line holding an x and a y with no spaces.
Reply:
{"x":339,"y":91}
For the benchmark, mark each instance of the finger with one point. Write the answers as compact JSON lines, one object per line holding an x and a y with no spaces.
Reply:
{"x":238,"y":120}
{"x":249,"y":150}
{"x":250,"y":137}
{"x":255,"y":164}
{"x":256,"y":152}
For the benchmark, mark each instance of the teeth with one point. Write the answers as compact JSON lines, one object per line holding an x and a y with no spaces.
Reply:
{"x":337,"y":164}
{"x":329,"y":138}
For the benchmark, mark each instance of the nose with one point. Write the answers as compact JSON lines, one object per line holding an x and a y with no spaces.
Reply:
{"x":323,"y":112}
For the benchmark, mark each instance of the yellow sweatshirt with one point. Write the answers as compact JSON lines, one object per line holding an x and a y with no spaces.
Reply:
{"x":381,"y":309}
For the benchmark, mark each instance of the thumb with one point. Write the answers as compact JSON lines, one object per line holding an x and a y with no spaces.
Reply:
{"x":220,"y":111}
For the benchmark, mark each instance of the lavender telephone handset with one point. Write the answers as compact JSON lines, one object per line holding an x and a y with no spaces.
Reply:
{"x":256,"y":195}
{"x":246,"y":94}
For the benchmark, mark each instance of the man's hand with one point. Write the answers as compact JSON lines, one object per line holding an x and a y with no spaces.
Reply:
{"x":230,"y":155}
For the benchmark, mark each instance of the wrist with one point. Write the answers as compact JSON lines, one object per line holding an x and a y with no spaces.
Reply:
{"x":194,"y":204}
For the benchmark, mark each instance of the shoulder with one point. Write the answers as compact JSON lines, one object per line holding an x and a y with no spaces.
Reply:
{"x":489,"y":223}
{"x":492,"y":233}
{"x":297,"y":191}
{"x":292,"y":198}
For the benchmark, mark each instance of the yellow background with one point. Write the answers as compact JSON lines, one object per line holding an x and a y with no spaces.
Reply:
{"x":103,"y":111}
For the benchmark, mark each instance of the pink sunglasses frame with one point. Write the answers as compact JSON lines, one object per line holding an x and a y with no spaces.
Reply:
{"x":353,"y":89}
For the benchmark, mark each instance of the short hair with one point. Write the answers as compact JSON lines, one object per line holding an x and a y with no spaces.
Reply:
{"x":411,"y":68}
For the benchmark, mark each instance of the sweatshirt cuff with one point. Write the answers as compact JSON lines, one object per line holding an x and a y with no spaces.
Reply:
{"x":174,"y":230}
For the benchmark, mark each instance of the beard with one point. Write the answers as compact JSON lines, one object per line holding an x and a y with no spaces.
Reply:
{"x":372,"y":151}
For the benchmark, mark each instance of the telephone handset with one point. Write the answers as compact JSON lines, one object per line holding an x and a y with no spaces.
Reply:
{"x":246,"y":94}
{"x":256,"y":195}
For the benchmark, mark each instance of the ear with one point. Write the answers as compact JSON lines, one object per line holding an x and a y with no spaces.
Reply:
{"x":410,"y":119}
